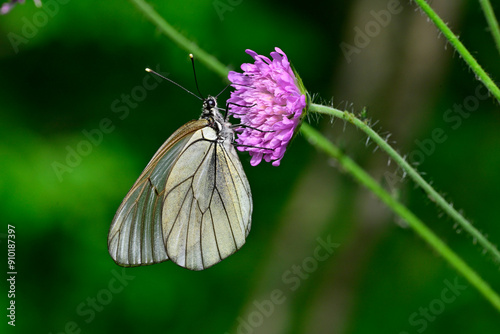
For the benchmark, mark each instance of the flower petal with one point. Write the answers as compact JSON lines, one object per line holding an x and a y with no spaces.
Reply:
{"x":266,"y":97}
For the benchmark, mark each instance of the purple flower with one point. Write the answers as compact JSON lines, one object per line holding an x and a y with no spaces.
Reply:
{"x":7,"y":6}
{"x":270,"y":101}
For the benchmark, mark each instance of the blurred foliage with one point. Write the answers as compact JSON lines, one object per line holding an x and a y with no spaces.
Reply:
{"x":79,"y":59}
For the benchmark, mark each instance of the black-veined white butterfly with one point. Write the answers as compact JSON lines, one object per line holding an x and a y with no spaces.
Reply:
{"x":192,"y":203}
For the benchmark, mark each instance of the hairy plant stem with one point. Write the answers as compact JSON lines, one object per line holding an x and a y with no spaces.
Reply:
{"x":210,"y":61}
{"x":417,"y":178}
{"x":492,"y":21}
{"x":318,"y":140}
{"x":464,"y":53}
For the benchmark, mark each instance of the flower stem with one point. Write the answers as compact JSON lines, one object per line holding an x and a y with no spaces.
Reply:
{"x":431,"y":192}
{"x":469,"y":59}
{"x":492,"y":21}
{"x":210,"y":61}
{"x":317,"y":140}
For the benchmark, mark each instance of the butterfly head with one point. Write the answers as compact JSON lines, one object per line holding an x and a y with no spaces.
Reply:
{"x":210,"y":111}
{"x":216,"y":121}
{"x":209,"y":107}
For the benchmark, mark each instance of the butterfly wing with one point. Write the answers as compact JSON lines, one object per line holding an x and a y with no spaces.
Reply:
{"x":135,"y":236}
{"x":208,"y":203}
{"x":192,"y":204}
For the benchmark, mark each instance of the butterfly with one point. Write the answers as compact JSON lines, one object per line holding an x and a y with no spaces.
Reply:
{"x":192,"y":204}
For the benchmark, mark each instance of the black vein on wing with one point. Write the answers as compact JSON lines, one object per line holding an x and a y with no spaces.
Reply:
{"x":143,"y":220}
{"x":133,"y":207}
{"x":215,"y":234}
{"x":153,"y":219}
{"x":237,"y":204}
{"x":201,"y":243}
{"x":218,"y":191}
{"x":210,"y":203}
{"x":246,"y":186}
{"x":182,"y":182}
{"x":187,"y":228}
{"x":152,"y":186}
{"x":182,"y":204}
{"x":190,"y":190}
{"x":141,"y":187}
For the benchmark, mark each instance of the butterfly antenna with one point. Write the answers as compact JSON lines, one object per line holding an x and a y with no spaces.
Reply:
{"x":175,"y":83}
{"x":222,"y":91}
{"x":194,"y":71}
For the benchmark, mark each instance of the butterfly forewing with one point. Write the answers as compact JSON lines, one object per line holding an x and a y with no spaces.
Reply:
{"x":136,"y":236}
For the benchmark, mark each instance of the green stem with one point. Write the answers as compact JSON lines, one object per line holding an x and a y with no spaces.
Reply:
{"x":492,"y":21}
{"x":433,"y":194}
{"x":210,"y":61}
{"x":317,"y":140}
{"x":469,"y":59}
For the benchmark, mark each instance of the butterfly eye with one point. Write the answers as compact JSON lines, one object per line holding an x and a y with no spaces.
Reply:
{"x":211,"y":103}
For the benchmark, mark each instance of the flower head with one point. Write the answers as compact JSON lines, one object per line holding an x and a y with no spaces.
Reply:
{"x":270,"y":100}
{"x":7,"y":6}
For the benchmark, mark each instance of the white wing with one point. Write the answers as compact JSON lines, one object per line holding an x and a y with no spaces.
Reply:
{"x":208,"y":203}
{"x":192,"y":204}
{"x":135,"y":236}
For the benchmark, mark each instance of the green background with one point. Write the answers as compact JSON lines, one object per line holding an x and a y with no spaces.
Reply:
{"x":61,"y":77}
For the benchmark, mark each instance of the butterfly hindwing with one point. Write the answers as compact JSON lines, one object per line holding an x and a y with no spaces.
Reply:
{"x":204,"y":220}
